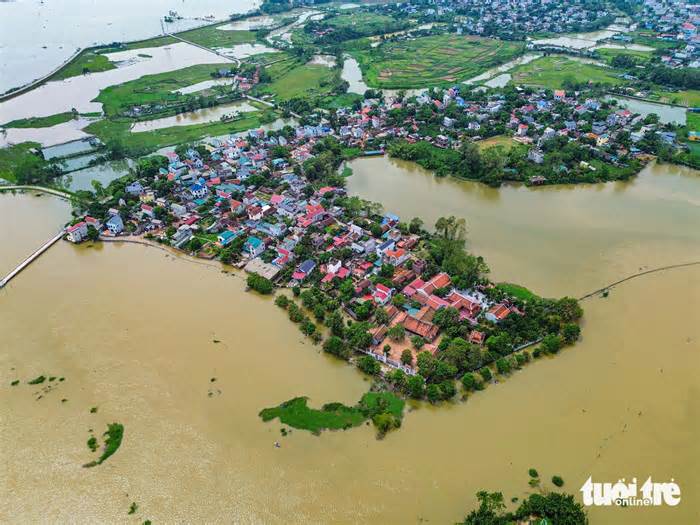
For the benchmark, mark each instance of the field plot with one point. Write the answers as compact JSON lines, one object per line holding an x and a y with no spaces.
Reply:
{"x":302,"y":81}
{"x":553,"y":71}
{"x":440,"y":60}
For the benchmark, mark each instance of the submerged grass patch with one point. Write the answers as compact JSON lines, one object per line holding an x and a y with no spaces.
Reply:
{"x":145,"y":142}
{"x":113,"y":440}
{"x":384,"y":408}
{"x":87,"y":62}
{"x":40,"y":122}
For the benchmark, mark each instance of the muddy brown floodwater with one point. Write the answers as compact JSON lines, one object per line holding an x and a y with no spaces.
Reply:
{"x":132,"y":331}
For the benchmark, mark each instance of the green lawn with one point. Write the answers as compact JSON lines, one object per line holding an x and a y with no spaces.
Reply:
{"x":153,"y":89}
{"x":334,"y":416}
{"x":142,"y":143}
{"x":40,"y":122}
{"x":213,"y":37}
{"x":88,"y":61}
{"x":552,"y":71}
{"x":302,"y":81}
{"x":608,"y":54}
{"x":517,"y":291}
{"x":689,"y":98}
{"x":647,"y":38}
{"x":499,"y":140}
{"x":15,"y":156}
{"x":297,"y":414}
{"x":433,"y":60}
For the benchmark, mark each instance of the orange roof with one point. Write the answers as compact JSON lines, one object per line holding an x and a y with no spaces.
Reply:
{"x":424,"y":329}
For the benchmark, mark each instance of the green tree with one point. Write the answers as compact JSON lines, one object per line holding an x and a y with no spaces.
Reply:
{"x":282,"y":301}
{"x":490,"y":510}
{"x":551,"y":343}
{"x":469,"y":382}
{"x":336,"y":346}
{"x":259,"y":283}
{"x":407,"y":357}
{"x":416,"y":386}
{"x":369,"y":365}
{"x":570,"y":332}
{"x":503,"y":366}
{"x":397,"y":333}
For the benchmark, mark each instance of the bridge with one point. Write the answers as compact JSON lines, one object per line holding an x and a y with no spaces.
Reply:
{"x":33,"y":257}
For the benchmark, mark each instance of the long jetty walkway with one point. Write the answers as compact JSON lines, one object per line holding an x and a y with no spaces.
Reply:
{"x":42,"y":189}
{"x":635,"y":276}
{"x":33,"y":257}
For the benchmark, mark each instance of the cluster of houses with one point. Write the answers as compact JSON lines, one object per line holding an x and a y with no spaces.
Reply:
{"x":238,"y":197}
{"x":673,"y":21}
{"x":505,"y":18}
{"x":611,"y":134}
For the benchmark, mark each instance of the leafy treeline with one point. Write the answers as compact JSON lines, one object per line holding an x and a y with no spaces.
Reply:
{"x":495,"y":165}
{"x":552,"y":507}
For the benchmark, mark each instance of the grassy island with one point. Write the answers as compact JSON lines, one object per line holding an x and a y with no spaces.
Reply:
{"x":384,"y":409}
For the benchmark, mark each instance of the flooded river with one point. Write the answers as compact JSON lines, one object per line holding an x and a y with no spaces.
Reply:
{"x":59,"y":28}
{"x":139,"y":345}
{"x":79,"y":92}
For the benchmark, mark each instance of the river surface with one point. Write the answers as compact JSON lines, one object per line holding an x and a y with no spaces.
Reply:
{"x":36,"y":36}
{"x":103,"y":173}
{"x":666,"y":112}
{"x":48,"y":136}
{"x":79,"y":92}
{"x":132,"y":330}
{"x":582,"y":40}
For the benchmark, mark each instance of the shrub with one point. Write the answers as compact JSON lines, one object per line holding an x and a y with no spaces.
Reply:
{"x":468,"y":381}
{"x":260,"y":284}
{"x":282,"y":301}
{"x":486,"y":374}
{"x":368,"y":365}
{"x":558,"y":481}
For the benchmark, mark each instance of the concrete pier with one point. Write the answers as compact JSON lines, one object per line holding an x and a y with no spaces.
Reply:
{"x":34,"y":256}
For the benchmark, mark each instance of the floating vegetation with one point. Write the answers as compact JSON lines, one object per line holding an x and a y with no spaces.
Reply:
{"x":113,"y":440}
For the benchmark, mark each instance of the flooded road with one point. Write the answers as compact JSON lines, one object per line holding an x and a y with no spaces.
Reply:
{"x":140,"y":345}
